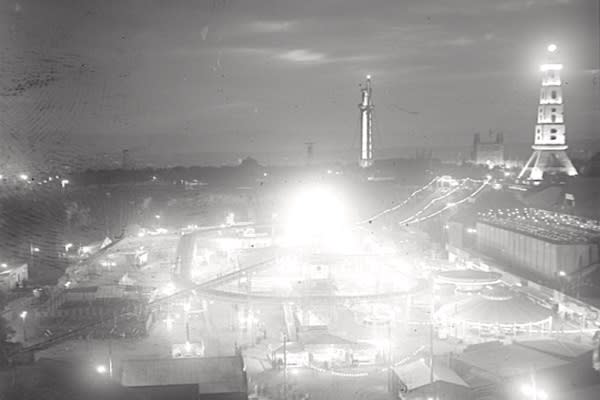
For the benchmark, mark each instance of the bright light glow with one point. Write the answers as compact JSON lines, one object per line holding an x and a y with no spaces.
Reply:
{"x":382,"y":344}
{"x":67,"y":284}
{"x":562,"y":273}
{"x":68,"y":246}
{"x":552,"y":47}
{"x":368,"y":76}
{"x":471,"y":230}
{"x":4,"y":265}
{"x":188,"y":347}
{"x":64,"y":182}
{"x":157,"y":216}
{"x":36,"y":249}
{"x":24,"y":177}
{"x":23,"y":315}
{"x":168,"y":289}
{"x":550,"y":67}
{"x":316,"y":214}
{"x":101,"y":369}
{"x":533,"y":393}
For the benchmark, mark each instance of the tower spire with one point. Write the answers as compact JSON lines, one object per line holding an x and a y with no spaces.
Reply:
{"x":550,"y":140}
{"x":366,"y":120}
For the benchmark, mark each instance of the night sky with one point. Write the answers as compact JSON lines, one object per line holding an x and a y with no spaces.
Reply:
{"x":268,"y":75}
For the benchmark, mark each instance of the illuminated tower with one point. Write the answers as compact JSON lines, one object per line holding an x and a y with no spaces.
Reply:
{"x":550,"y":141}
{"x":366,"y":120}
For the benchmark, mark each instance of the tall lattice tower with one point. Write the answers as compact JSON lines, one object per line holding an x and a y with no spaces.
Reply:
{"x":366,"y":129}
{"x":550,"y":142}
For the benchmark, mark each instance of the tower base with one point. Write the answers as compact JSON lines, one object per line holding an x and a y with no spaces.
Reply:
{"x":547,"y":162}
{"x":365,"y":163}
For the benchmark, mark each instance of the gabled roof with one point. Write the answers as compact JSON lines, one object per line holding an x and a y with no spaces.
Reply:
{"x":417,"y":374}
{"x":212,"y":374}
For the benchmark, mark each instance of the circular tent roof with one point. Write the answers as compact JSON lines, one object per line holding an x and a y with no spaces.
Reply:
{"x":497,"y":308}
{"x":468,"y":277}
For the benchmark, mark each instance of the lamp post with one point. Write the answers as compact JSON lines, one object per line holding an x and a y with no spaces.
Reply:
{"x":285,"y":338}
{"x":431,"y":333}
{"x":23,"y":316}
{"x":186,"y":307}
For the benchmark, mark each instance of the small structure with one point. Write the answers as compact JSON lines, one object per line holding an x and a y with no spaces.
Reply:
{"x":294,"y":355}
{"x":186,"y":378}
{"x":13,"y":275}
{"x":413,"y":381}
{"x":187,"y":350}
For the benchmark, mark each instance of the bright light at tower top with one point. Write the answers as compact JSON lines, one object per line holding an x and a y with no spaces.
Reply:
{"x":552,"y":47}
{"x":369,"y":77}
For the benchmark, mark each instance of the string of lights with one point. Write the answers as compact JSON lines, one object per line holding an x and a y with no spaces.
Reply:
{"x":459,"y":186}
{"x":433,"y":201}
{"x":397,"y":206}
{"x":449,"y":205}
{"x":363,"y":374}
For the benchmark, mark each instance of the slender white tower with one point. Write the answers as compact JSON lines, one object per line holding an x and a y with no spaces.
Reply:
{"x":366,"y":120}
{"x":550,"y":142}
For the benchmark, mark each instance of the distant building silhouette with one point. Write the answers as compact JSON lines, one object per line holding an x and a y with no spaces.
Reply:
{"x":126,"y":161}
{"x":491,"y":152}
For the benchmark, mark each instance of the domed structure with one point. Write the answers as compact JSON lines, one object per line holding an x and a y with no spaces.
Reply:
{"x":496,"y":313}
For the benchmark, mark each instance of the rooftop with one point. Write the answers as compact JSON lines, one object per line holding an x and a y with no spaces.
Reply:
{"x":211,"y":374}
{"x":546,"y":225}
{"x":416,"y":374}
{"x":505,"y":361}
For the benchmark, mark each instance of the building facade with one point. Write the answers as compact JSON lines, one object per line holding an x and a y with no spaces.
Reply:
{"x":13,"y":276}
{"x":490,"y":152}
{"x":526,"y":246}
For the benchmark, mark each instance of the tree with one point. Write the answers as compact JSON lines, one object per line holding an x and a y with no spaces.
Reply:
{"x":5,"y":332}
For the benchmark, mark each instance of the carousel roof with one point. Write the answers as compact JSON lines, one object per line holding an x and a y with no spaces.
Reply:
{"x":468,"y":277}
{"x":487,"y":309}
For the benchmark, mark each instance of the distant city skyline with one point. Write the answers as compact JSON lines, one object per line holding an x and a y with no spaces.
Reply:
{"x":268,"y":76}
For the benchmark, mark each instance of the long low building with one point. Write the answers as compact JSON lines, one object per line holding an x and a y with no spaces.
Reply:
{"x":547,"y":243}
{"x":222,"y":378}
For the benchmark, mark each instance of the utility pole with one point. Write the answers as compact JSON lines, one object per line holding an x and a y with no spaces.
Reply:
{"x":110,"y":361}
{"x":431,"y":332}
{"x":390,"y":356}
{"x":309,"y":152}
{"x":285,"y":338}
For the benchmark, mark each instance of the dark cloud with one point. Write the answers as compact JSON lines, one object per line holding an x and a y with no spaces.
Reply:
{"x":274,"y":74}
